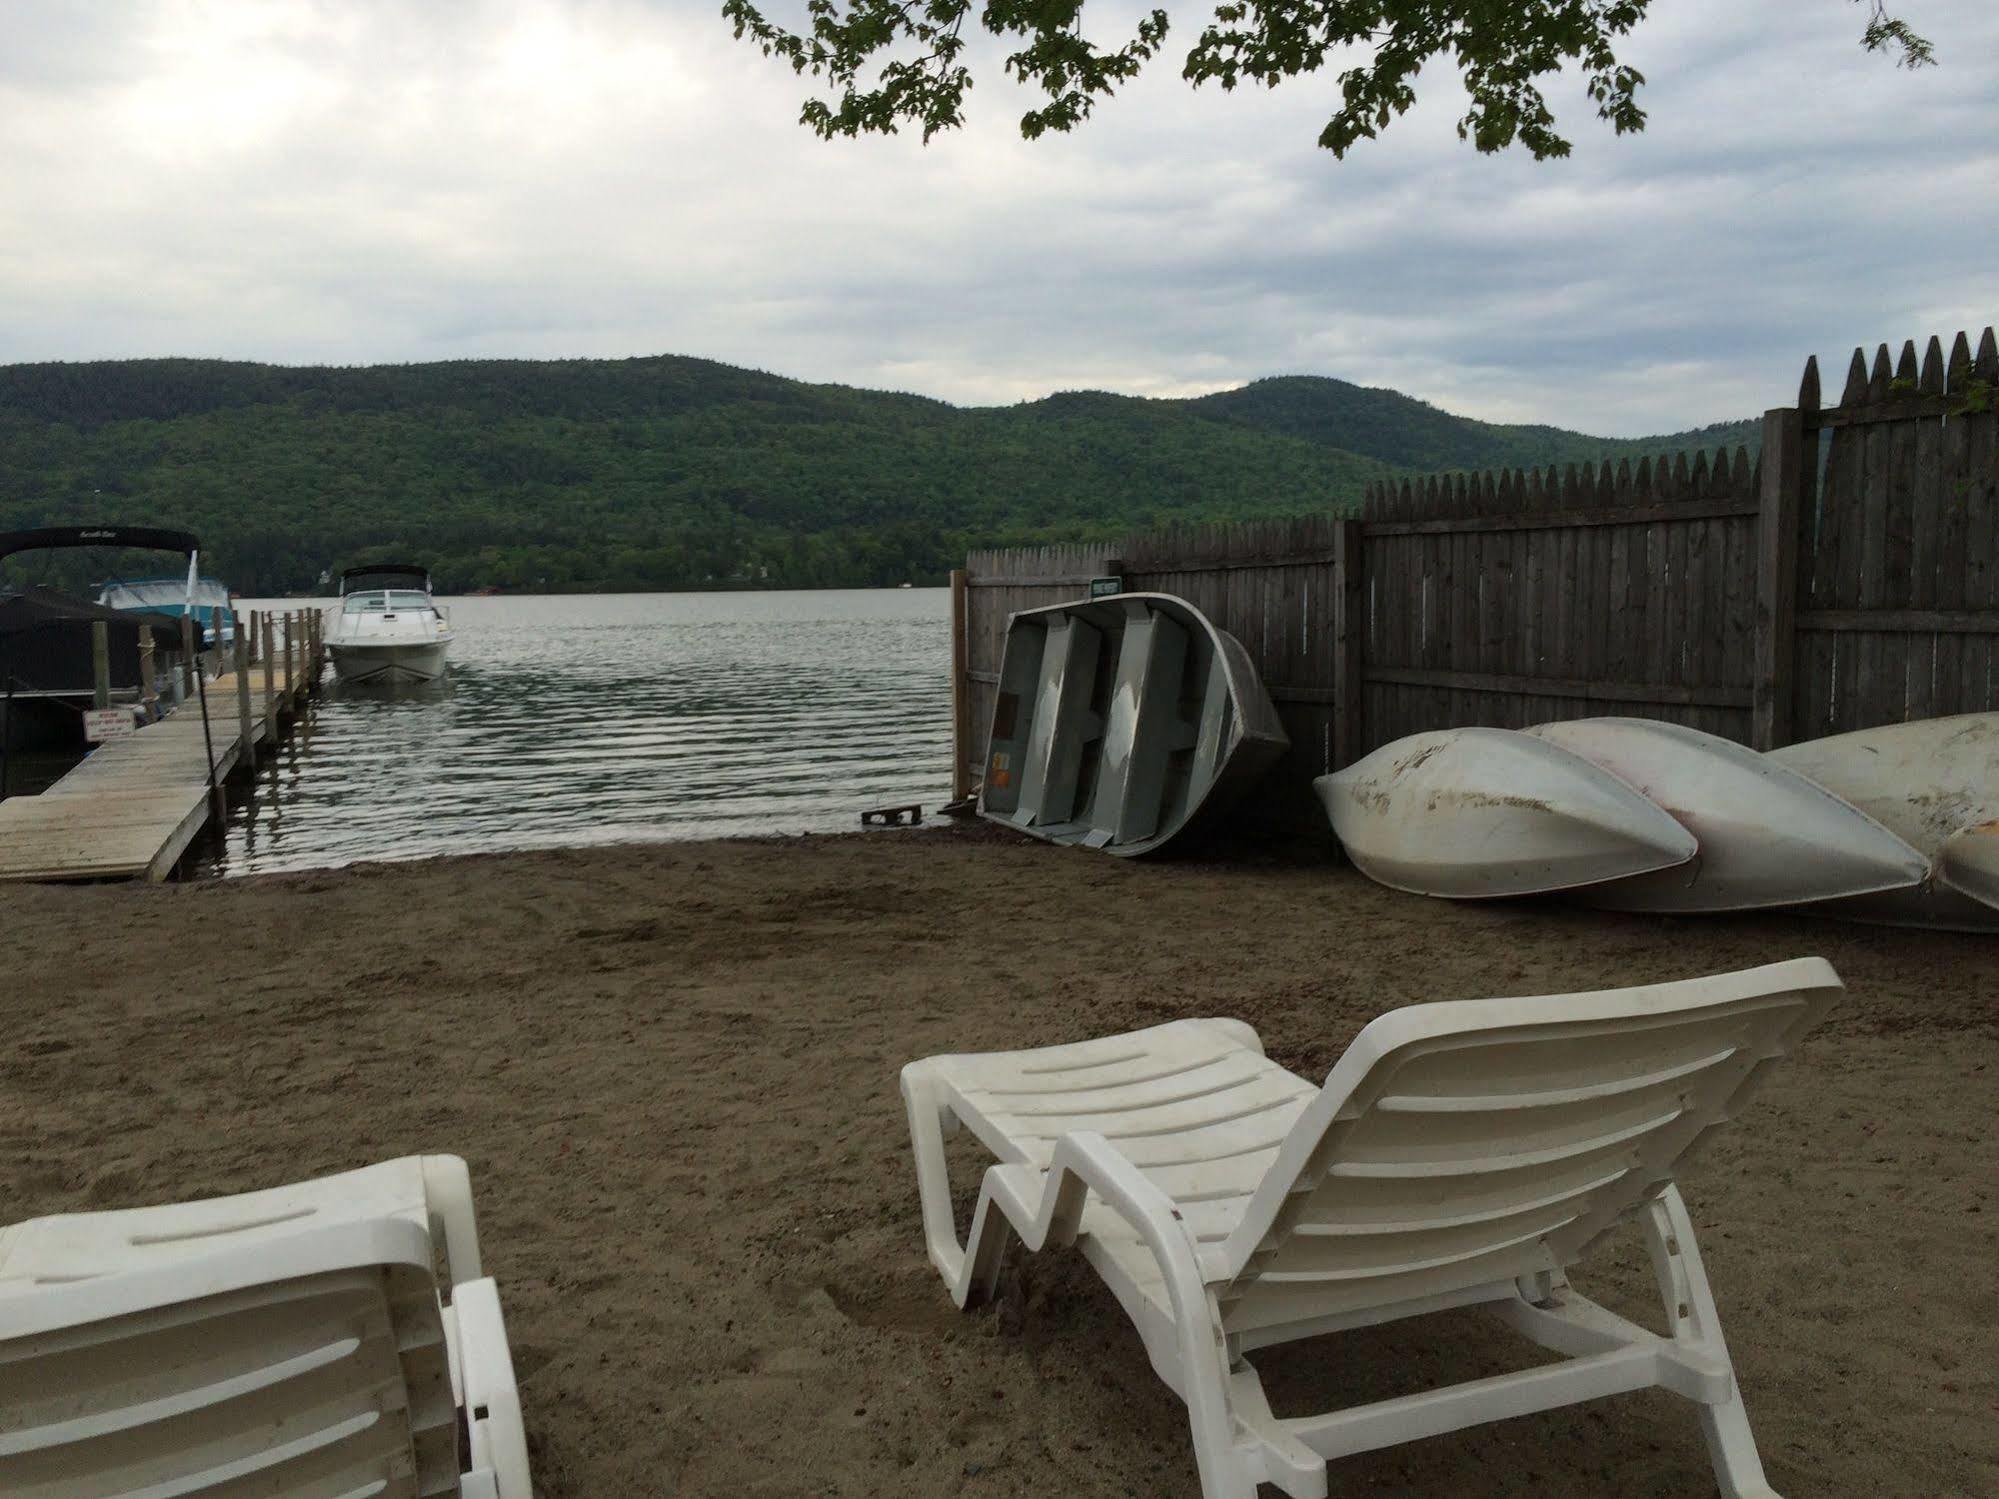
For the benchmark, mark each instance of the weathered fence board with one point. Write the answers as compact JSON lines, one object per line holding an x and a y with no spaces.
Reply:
{"x":1767,"y":600}
{"x":1898,"y":615}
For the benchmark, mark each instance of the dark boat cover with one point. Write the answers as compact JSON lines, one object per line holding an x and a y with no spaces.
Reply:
{"x":387,"y":570}
{"x":45,"y":640}
{"x":138,"y":538}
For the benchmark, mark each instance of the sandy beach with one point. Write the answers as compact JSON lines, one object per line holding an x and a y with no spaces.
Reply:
{"x":673,"y":1071}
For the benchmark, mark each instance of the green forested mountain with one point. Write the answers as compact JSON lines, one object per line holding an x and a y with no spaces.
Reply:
{"x":669,"y":472}
{"x":1413,"y":435}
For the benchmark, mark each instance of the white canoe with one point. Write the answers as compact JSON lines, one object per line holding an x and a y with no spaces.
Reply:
{"x":1768,"y":836}
{"x":1935,"y":784}
{"x":1969,"y":863}
{"x":1475,"y":813}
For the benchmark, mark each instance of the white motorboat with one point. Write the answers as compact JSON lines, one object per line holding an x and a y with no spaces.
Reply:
{"x":1768,"y":836}
{"x":1935,"y":784}
{"x":1476,"y":813}
{"x":388,"y":629}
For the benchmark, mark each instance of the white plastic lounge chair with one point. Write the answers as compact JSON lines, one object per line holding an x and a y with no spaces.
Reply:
{"x":1459,"y":1154}
{"x":282,"y":1342}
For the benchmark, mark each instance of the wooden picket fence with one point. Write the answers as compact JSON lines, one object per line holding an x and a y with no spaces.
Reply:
{"x":1767,"y":600}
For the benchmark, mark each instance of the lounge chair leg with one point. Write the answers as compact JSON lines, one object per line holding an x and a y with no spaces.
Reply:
{"x":933,"y":1178}
{"x":1216,"y":1456}
{"x":985,"y":1251}
{"x":1694,"y":1319}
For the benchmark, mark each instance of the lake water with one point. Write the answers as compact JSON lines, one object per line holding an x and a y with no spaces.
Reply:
{"x":607,"y":718}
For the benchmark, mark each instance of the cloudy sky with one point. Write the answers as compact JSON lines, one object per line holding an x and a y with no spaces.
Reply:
{"x":353,"y":181}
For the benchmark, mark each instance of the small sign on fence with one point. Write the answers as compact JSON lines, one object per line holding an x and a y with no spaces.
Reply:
{"x":100,"y":724}
{"x":1103,"y":588}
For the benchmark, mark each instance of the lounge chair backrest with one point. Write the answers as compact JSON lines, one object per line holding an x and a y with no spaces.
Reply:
{"x":1462,"y":1146}
{"x":325,"y":1376}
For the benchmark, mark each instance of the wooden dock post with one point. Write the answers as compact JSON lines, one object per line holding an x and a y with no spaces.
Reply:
{"x":270,"y":684}
{"x":291,"y":671}
{"x":249,"y":750}
{"x":218,"y":803}
{"x":961,"y":695}
{"x":189,"y":668}
{"x":149,"y":699}
{"x":6,"y":723}
{"x":100,"y":664}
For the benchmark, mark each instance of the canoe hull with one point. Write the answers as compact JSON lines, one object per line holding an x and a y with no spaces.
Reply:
{"x":1768,"y":836}
{"x":1123,"y":724}
{"x":1474,"y":814}
{"x":1935,"y":784}
{"x":1968,"y":864}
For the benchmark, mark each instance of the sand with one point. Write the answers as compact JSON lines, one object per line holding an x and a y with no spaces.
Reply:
{"x":673,"y":1070}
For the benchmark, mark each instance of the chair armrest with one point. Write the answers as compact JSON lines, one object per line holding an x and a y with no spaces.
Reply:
{"x":493,"y":1423}
{"x":447,"y":1191}
{"x":1086,"y":1157}
{"x":1085,"y":1162}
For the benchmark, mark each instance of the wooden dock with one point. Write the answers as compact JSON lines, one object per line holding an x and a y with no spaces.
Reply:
{"x":133,"y":806}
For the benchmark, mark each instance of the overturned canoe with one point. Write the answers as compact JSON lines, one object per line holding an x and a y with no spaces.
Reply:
{"x":1768,"y":836}
{"x":1968,"y":863}
{"x":1122,"y":722}
{"x":1475,"y":813}
{"x":1935,"y":784}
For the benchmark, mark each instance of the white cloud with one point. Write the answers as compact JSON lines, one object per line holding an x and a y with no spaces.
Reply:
{"x":365,"y":180}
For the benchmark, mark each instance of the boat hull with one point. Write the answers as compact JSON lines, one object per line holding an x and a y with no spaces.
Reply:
{"x":1474,"y":814}
{"x":389,"y":664}
{"x":1968,"y":864}
{"x":1935,"y":784}
{"x":1768,"y":836}
{"x":1123,"y":724}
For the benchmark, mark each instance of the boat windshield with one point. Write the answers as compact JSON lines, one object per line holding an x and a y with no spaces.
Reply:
{"x":388,"y":601}
{"x":162,"y":594}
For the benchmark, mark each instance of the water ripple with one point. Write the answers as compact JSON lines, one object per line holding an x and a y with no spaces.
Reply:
{"x":608,"y":718}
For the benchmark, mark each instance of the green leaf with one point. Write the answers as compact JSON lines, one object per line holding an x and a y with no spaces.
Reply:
{"x":888,"y":64}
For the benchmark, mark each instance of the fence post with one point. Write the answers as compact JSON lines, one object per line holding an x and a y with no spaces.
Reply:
{"x":1349,"y":643}
{"x":248,"y":752}
{"x":961,"y":693}
{"x":1780,"y":495}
